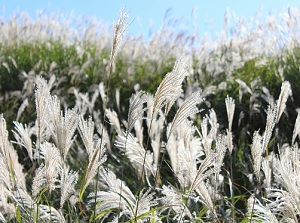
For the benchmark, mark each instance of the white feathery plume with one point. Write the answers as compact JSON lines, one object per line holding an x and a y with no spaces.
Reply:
{"x":64,"y":127}
{"x":188,"y":108}
{"x":4,"y":142}
{"x":95,"y":163}
{"x":68,"y":180}
{"x":284,"y":204}
{"x":257,"y":151}
{"x":271,"y":121}
{"x":113,"y":120}
{"x":86,"y":131}
{"x":229,"y":138}
{"x":212,"y":118}
{"x":119,"y":29}
{"x":186,"y":166}
{"x":260,"y":213}
{"x":206,"y":139}
{"x":23,"y":137}
{"x":296,"y":131}
{"x":50,"y":214}
{"x":117,"y":195}
{"x":173,"y":199}
{"x":230,"y":106}
{"x":101,"y":89}
{"x":220,"y":152}
{"x":11,"y":169}
{"x":170,"y":88}
{"x":5,"y":174}
{"x":95,"y":150}
{"x":243,"y":88}
{"x":7,"y":207}
{"x":265,"y":166}
{"x":136,"y":110}
{"x":203,"y":171}
{"x":39,"y":181}
{"x":205,"y":196}
{"x":285,"y":92}
{"x":104,"y":135}
{"x":42,"y":97}
{"x":2,"y":219}
{"x":143,"y":205}
{"x":136,"y":153}
{"x":52,"y":165}
{"x":22,"y":108}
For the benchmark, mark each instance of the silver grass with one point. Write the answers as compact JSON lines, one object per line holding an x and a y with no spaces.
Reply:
{"x":206,"y":140}
{"x":170,"y":88}
{"x":296,"y":131}
{"x":113,"y":120}
{"x":50,"y":214}
{"x":64,"y":126}
{"x":284,"y":205}
{"x":80,"y":103}
{"x":270,"y":123}
{"x":4,"y":142}
{"x":186,"y":165}
{"x":173,"y":199}
{"x":205,"y":169}
{"x":6,"y":179}
{"x":119,"y":29}
{"x":23,"y":137}
{"x":2,"y":219}
{"x":136,"y":110}
{"x":117,"y":97}
{"x":156,"y":127}
{"x":86,"y":131}
{"x":101,"y":89}
{"x":116,"y":195}
{"x":184,"y":151}
{"x":187,"y":109}
{"x":22,"y":108}
{"x":243,"y":88}
{"x":205,"y":197}
{"x":16,"y":169}
{"x":212,"y":118}
{"x":39,"y":181}
{"x":52,"y":164}
{"x":102,"y":131}
{"x":265,"y":166}
{"x":68,"y":180}
{"x":256,"y":152}
{"x":46,"y":175}
{"x":287,"y":172}
{"x":220,"y":152}
{"x":230,"y":106}
{"x":285,"y":92}
{"x":42,"y":96}
{"x":144,"y":204}
{"x":96,"y":161}
{"x":23,"y":200}
{"x":6,"y":207}
{"x":139,"y":131}
{"x":143,"y":163}
{"x":229,"y":141}
{"x":260,"y":213}
{"x":11,"y":169}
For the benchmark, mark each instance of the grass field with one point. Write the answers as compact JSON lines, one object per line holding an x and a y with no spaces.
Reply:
{"x":98,"y":126}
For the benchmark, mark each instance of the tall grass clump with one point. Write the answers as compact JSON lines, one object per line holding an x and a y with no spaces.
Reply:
{"x":100,"y":127}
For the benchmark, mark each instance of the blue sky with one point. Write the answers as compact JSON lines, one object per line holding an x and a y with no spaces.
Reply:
{"x":208,"y":16}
